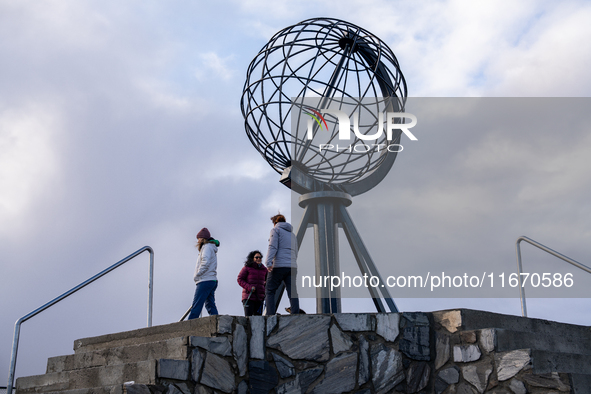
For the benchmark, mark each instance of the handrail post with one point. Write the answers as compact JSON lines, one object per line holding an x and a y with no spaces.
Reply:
{"x":520,"y":270}
{"x":150,"y":287}
{"x":17,"y":331}
{"x":17,"y":326}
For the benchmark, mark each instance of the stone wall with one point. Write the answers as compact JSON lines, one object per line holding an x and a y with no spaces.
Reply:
{"x":350,"y":353}
{"x":468,"y":362}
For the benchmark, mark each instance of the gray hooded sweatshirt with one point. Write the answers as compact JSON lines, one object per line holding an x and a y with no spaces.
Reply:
{"x":283,"y":250}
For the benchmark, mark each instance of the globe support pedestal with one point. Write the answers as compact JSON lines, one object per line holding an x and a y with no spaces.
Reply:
{"x":326,"y":211}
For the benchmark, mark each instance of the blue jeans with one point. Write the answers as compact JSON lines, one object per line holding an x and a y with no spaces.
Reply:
{"x":274,"y":279}
{"x":204,"y":294}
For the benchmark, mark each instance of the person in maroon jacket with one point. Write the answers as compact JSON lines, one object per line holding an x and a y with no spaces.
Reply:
{"x":252,"y":279}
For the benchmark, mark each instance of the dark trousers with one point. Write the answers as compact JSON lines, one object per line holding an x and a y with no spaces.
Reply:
{"x":253,"y":308}
{"x":204,"y":294}
{"x":274,"y":279}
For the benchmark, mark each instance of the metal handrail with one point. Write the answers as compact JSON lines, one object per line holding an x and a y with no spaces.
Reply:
{"x":545,"y":249}
{"x":17,"y":326}
{"x":186,"y":313}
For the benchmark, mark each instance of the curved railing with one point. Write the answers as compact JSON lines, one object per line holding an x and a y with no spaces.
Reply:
{"x":17,"y":326}
{"x":545,"y":249}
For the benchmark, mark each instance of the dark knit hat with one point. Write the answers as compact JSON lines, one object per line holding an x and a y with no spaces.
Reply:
{"x":204,"y":233}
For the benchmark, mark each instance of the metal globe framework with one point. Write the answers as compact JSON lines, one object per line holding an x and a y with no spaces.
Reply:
{"x":321,"y":58}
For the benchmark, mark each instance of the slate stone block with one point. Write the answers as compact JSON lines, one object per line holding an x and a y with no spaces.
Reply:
{"x":477,"y":374}
{"x":387,"y":370}
{"x":488,"y":339}
{"x":218,"y":374}
{"x":271,"y":323}
{"x":302,"y":337}
{"x":417,"y":376}
{"x":340,"y":342}
{"x":196,"y":364}
{"x":465,"y":388}
{"x":442,"y":352}
{"x":308,"y":377}
{"x":291,"y":387}
{"x":355,"y":321}
{"x":225,"y":324}
{"x":415,"y":343}
{"x":257,"y":337}
{"x":184,"y":388}
{"x":173,"y":369}
{"x":285,"y":367}
{"x":242,"y":387}
{"x":517,"y":387}
{"x":388,"y":326}
{"x":415,"y":318}
{"x":172,"y":389}
{"x":217,"y":345}
{"x":363,"y":360}
{"x":510,"y":363}
{"x":240,"y":349}
{"x":301,"y":383}
{"x":339,"y":376}
{"x":136,"y":389}
{"x":200,"y":389}
{"x":466,"y":353}
{"x":440,"y":385}
{"x":450,"y":375}
{"x":547,"y":381}
{"x":263,"y":377}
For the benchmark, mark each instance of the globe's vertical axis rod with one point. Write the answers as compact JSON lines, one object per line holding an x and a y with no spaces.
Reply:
{"x":327,"y":258}
{"x":321,"y":259}
{"x":328,"y":94}
{"x":325,"y":231}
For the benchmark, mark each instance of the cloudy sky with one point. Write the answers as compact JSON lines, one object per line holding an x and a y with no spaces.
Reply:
{"x":120,"y":127}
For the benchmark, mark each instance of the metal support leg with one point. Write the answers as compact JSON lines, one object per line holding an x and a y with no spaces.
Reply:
{"x":375,"y":295}
{"x":306,"y":219}
{"x":357,"y":243}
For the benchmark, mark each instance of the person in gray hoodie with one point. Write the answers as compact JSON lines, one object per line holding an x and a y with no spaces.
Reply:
{"x":205,"y":276}
{"x":282,"y":264}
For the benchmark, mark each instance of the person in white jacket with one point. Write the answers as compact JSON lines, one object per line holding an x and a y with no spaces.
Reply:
{"x":205,"y":275}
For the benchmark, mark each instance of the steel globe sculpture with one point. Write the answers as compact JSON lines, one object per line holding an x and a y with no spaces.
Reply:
{"x":330,"y":59}
{"x":305,"y":69}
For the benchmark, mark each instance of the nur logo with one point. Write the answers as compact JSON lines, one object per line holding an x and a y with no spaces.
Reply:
{"x":344,"y":124}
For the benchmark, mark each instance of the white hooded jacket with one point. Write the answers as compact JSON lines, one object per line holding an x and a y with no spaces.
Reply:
{"x":207,"y":264}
